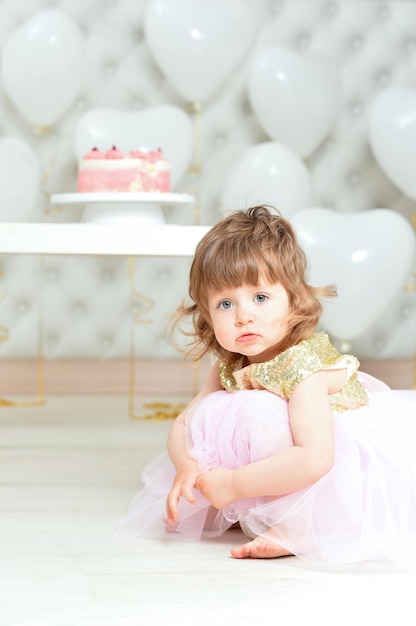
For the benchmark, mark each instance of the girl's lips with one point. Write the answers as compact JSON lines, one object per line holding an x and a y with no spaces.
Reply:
{"x":247,"y":337}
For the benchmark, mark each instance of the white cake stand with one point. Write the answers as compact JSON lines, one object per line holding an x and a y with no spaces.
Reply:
{"x":123,"y":208}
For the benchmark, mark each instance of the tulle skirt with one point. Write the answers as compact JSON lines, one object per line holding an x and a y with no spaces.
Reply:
{"x":364,"y":508}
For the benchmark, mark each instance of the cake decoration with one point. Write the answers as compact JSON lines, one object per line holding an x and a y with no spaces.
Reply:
{"x":138,"y":171}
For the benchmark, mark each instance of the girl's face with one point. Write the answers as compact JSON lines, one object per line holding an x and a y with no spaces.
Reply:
{"x":250,"y":320}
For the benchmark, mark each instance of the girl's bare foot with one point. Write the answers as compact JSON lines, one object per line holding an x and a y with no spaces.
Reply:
{"x":261,"y":547}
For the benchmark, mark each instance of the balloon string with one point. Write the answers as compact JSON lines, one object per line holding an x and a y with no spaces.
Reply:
{"x":197,"y":209}
{"x":196,"y":109}
{"x":4,"y":334}
{"x":41,"y":131}
{"x":48,"y":171}
{"x":196,"y":167}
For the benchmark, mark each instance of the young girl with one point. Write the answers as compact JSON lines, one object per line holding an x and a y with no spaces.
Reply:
{"x":286,"y":438}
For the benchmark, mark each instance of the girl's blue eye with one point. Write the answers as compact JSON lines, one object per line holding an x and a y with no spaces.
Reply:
{"x":260,"y":297}
{"x":225,"y":304}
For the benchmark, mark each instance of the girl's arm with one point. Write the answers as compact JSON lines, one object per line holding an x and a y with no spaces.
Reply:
{"x":187,"y":469}
{"x":299,"y":466}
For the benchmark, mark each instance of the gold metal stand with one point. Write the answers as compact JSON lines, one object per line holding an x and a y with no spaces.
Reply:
{"x":4,"y":336}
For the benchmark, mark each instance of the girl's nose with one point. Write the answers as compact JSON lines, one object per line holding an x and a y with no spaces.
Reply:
{"x":243,"y":316}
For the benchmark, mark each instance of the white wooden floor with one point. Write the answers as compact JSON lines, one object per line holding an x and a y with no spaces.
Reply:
{"x":68,"y":471}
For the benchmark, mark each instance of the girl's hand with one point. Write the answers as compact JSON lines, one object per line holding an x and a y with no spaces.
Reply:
{"x":186,"y":475}
{"x":187,"y":470}
{"x":217,"y":486}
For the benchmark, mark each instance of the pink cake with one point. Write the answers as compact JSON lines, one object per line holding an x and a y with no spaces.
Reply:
{"x":138,"y":171}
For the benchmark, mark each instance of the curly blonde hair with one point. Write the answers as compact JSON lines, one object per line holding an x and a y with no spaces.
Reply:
{"x":238,"y":250}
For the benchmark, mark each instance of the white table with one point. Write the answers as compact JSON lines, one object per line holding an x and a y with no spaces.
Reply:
{"x":100,"y":239}
{"x":97,"y":239}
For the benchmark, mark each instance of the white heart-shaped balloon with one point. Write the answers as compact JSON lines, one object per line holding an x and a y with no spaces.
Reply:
{"x":43,"y":66}
{"x":197,"y":43}
{"x":164,"y":126}
{"x":268,"y":173}
{"x":392,"y":136}
{"x":8,"y":22}
{"x":368,"y":255}
{"x":19,"y":180}
{"x":294,"y":99}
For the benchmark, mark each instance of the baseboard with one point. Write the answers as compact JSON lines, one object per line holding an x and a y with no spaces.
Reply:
{"x":72,"y":377}
{"x":150,"y":377}
{"x":400,"y":374}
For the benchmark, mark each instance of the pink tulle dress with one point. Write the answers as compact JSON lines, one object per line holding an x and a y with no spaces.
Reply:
{"x":363,"y":509}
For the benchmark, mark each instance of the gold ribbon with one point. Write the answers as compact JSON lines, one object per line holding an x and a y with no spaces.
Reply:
{"x":155,"y":411}
{"x":140,"y":304}
{"x":144,"y":304}
{"x":162,"y":411}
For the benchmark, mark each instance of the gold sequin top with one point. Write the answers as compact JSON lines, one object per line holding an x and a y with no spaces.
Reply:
{"x":281,"y":374}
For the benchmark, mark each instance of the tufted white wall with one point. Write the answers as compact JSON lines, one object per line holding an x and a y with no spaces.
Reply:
{"x":86,"y":301}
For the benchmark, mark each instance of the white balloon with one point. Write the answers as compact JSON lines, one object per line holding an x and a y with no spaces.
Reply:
{"x":19,"y":180}
{"x":8,"y":22}
{"x":392,"y":136}
{"x":295,"y":99}
{"x":164,"y":126}
{"x":368,"y":255}
{"x":42,"y":67}
{"x":197,"y":43}
{"x":268,"y":173}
